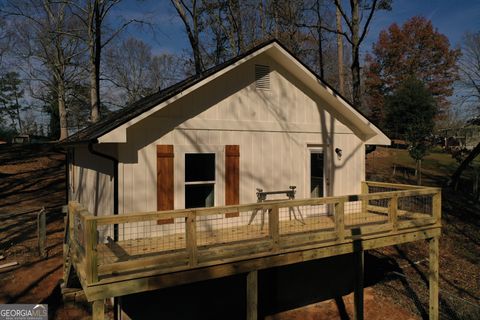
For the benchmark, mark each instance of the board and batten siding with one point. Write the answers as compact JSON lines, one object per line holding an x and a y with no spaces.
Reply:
{"x":273,"y":128}
{"x":93,"y":179}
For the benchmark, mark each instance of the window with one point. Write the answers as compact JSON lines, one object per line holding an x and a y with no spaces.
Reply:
{"x":316,"y":174}
{"x":199,"y":180}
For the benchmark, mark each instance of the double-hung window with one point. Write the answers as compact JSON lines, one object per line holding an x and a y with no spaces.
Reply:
{"x":199,"y":180}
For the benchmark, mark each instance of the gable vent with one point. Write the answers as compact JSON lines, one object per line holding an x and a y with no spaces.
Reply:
{"x":262,"y":77}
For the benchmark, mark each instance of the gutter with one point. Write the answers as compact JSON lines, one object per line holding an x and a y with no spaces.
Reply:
{"x":115,"y":181}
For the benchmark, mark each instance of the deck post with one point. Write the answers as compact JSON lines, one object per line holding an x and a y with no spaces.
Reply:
{"x":252,"y":295}
{"x":339,"y":220}
{"x":433,"y":277}
{"x":98,"y":310}
{"x":274,"y":227}
{"x":91,"y":239}
{"x":191,"y":239}
{"x":358,"y":285}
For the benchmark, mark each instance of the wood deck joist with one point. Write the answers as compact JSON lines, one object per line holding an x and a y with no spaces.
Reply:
{"x":148,"y":281}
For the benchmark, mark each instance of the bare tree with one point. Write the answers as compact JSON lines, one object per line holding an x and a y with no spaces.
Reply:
{"x":470,"y":80}
{"x":132,"y":68}
{"x":48,"y":53}
{"x":93,"y":15}
{"x":470,"y":68}
{"x":356,"y":34}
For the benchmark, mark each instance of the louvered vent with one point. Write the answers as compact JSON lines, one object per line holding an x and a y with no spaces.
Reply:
{"x":262,"y":77}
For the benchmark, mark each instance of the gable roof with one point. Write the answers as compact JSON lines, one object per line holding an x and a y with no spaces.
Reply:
{"x":146,"y":104}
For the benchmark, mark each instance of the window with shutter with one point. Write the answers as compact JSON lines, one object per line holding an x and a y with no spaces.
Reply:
{"x":232,"y":177}
{"x":165,"y":182}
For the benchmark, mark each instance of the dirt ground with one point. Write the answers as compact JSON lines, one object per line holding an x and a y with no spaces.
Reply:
{"x":33,"y":177}
{"x":459,"y":246}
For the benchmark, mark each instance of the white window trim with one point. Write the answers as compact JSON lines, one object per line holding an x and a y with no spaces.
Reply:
{"x":316,"y":149}
{"x":179,"y":174}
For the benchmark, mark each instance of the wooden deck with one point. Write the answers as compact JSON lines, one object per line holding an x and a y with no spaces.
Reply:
{"x":204,"y":243}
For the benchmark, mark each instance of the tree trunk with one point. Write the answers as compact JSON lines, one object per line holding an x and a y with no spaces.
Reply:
{"x":419,"y":172}
{"x":355,"y":68}
{"x":192,"y":34}
{"x":471,"y":156}
{"x":95,"y":55}
{"x":319,"y":34}
{"x":341,"y":79}
{"x":62,"y":111}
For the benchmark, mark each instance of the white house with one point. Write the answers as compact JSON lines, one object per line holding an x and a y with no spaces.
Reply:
{"x":262,"y":120}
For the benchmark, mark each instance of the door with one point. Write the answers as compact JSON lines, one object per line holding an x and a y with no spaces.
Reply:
{"x":317,"y":173}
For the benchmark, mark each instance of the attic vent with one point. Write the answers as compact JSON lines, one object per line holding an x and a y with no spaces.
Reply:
{"x":262,"y":77}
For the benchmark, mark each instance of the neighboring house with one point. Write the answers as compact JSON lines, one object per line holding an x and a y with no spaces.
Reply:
{"x":466,"y":137}
{"x":262,"y":120}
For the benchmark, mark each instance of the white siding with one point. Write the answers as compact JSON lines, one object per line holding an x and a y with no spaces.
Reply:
{"x":273,"y":128}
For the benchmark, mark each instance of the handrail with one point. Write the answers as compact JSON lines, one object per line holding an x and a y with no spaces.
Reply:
{"x":182,"y":213}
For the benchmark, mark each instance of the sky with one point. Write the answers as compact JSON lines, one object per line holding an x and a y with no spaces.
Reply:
{"x":452,"y":18}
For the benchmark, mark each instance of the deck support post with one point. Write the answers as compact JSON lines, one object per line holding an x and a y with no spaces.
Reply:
{"x":433,"y":276}
{"x":98,"y":309}
{"x":252,"y":295}
{"x":358,"y":285}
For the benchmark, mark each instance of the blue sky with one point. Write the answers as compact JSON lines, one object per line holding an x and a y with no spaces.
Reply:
{"x":452,"y":18}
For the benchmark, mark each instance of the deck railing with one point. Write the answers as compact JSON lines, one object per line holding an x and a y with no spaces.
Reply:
{"x":150,"y":243}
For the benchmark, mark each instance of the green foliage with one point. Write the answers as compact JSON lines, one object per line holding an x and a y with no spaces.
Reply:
{"x":410,"y":113}
{"x":10,"y":96}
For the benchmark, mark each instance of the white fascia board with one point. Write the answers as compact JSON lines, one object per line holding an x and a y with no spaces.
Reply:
{"x":369,"y":130}
{"x":119,"y":134}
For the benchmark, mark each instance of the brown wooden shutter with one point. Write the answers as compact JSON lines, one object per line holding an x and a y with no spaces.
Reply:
{"x":165,"y":174}
{"x":232,"y":177}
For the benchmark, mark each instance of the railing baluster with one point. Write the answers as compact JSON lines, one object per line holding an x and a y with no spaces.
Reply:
{"x":339,"y":220}
{"x":437,"y":206}
{"x":392,"y":212}
{"x":364,"y":190}
{"x":191,"y":238}
{"x":274,"y":227}
{"x":91,"y":258}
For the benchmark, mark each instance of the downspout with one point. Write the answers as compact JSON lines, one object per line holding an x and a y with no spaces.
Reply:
{"x":115,"y":181}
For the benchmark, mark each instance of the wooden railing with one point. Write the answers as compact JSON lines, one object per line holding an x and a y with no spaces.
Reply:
{"x":206,"y":236}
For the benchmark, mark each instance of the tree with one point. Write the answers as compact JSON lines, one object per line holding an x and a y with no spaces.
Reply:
{"x":356,"y":34}
{"x":414,"y":49}
{"x":93,"y":16}
{"x":470,"y":83}
{"x":48,"y":56}
{"x":190,"y":17}
{"x":132,"y":68}
{"x":410,"y":112}
{"x":10,"y":94}
{"x":470,"y":68}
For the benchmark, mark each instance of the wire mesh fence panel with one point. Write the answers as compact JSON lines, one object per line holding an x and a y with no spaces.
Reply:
{"x":414,"y":207}
{"x":215,"y":229}
{"x":140,"y":240}
{"x":356,"y":214}
{"x":306,"y":218}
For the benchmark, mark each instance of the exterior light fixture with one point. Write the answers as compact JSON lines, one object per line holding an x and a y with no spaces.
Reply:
{"x":338,"y":151}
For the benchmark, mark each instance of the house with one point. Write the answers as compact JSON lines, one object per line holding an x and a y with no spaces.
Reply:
{"x":254,"y":164}
{"x":262,"y":120}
